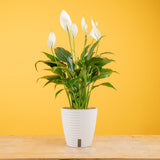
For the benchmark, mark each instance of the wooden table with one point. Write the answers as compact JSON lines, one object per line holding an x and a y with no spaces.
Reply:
{"x":104,"y":147}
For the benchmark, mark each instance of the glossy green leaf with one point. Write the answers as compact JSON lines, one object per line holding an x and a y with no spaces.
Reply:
{"x":48,"y":82}
{"x":71,"y":82}
{"x":105,"y":53}
{"x":62,"y":54}
{"x":51,"y":57}
{"x":85,"y":51}
{"x":107,"y":84}
{"x":50,"y":77}
{"x":58,"y":92}
{"x":103,"y":74}
{"x":107,"y":70}
{"x":97,"y":61}
{"x":48,"y":63}
{"x":65,"y":56}
{"x":90,"y":53}
{"x":67,"y":71}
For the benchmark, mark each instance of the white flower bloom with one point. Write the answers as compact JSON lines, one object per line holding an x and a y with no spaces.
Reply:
{"x":95,"y":33}
{"x":65,"y":21}
{"x":84,"y":25}
{"x":51,"y":40}
{"x":93,"y":24}
{"x":74,"y":30}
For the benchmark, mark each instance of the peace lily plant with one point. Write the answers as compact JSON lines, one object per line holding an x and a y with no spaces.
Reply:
{"x":77,"y":74}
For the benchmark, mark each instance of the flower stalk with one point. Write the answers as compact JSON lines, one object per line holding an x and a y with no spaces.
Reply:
{"x":69,"y":39}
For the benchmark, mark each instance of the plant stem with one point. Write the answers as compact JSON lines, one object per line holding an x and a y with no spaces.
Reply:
{"x":75,"y":99}
{"x":79,"y":95}
{"x":54,"y":57}
{"x":88,"y":95}
{"x":92,"y":42}
{"x":91,"y":88}
{"x":74,"y":49}
{"x":97,"y":49}
{"x":68,"y":97}
{"x":85,"y":41}
{"x":84,"y":95}
{"x":69,"y":39}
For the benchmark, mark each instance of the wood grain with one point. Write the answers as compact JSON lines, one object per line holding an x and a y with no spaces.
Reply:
{"x":104,"y":147}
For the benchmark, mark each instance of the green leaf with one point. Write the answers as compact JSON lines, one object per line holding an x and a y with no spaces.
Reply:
{"x":49,"y":63}
{"x":60,"y":72}
{"x":51,"y":57}
{"x":77,"y":71}
{"x":101,"y":76}
{"x":47,"y":83}
{"x":64,"y":70}
{"x":107,"y":84}
{"x":90,"y":53}
{"x":107,"y":70}
{"x":104,"y":62}
{"x":105,"y":53}
{"x":65,"y":56}
{"x":83,"y":75}
{"x":85,"y":51}
{"x":71,"y":82}
{"x":98,"y":61}
{"x":50,"y":77}
{"x":59,"y":81}
{"x":93,"y":61}
{"x":62,"y":54}
{"x":58,"y":92}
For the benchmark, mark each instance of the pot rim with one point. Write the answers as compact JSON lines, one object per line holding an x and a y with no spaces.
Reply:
{"x":78,"y":109}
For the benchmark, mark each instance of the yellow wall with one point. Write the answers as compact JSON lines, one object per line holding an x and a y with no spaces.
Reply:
{"x":132,"y":29}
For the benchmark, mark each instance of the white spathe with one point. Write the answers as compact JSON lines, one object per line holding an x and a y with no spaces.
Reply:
{"x":95,"y":33}
{"x":51,"y":40}
{"x":79,"y":126}
{"x":65,"y":21}
{"x":74,"y":30}
{"x":93,"y":24}
{"x":84,"y":25}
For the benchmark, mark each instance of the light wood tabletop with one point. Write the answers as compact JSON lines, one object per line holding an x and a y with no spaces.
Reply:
{"x":108,"y":147}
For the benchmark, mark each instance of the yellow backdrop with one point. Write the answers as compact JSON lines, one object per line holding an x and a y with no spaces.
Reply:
{"x":132,"y":30}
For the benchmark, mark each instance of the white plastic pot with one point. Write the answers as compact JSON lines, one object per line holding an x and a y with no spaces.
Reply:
{"x":79,"y":126}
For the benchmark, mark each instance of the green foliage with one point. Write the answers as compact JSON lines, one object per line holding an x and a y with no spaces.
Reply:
{"x":65,"y":56}
{"x":77,"y":76}
{"x":58,"y":92}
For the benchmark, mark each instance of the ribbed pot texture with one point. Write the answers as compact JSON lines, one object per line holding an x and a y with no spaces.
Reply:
{"x":79,"y":126}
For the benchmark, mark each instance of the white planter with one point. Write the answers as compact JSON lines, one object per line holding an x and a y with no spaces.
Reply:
{"x":79,"y":126}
